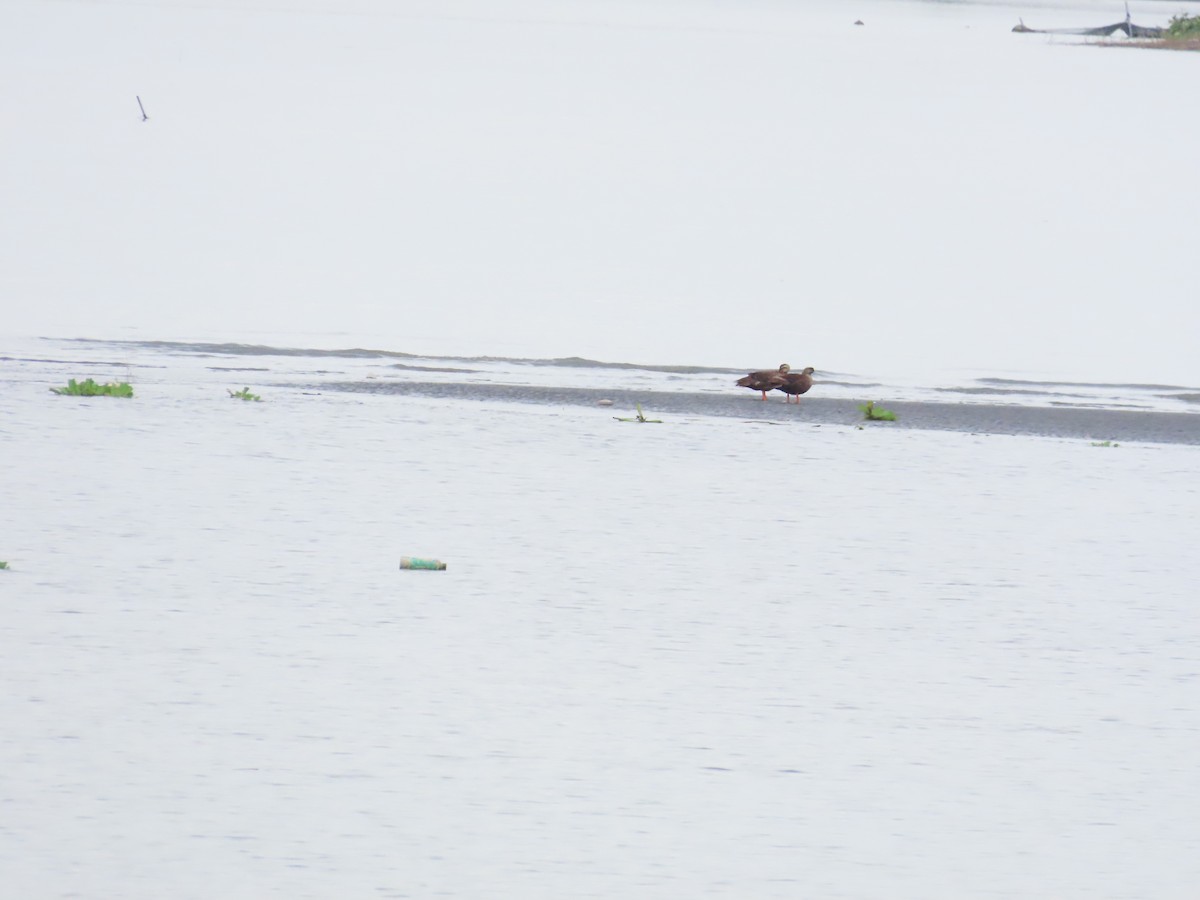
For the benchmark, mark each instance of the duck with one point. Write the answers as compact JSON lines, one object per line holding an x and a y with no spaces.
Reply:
{"x":766,"y":380}
{"x":796,"y":383}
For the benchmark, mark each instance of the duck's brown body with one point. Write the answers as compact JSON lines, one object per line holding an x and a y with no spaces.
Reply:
{"x":796,"y":383}
{"x":766,"y":380}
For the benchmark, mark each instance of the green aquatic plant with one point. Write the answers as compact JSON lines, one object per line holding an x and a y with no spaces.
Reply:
{"x":1184,"y":27}
{"x":89,"y":388}
{"x":1105,"y":444}
{"x":3,"y":564}
{"x":871,"y":414}
{"x":640,"y":417}
{"x":244,"y":394}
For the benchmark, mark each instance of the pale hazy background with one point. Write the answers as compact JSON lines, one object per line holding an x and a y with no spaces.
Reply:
{"x":727,"y":183}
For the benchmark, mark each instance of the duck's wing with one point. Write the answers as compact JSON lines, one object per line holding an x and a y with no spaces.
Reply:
{"x":761,"y":381}
{"x":798,"y":384}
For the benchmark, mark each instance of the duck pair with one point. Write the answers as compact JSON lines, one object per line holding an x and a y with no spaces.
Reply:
{"x":782,"y":379}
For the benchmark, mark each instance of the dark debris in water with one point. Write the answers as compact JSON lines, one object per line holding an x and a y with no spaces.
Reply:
{"x":444,"y":369}
{"x":1084,"y":384}
{"x":1066,"y":421}
{"x":81,"y":362}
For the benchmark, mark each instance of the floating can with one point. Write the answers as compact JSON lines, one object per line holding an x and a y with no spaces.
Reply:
{"x":412,"y":562}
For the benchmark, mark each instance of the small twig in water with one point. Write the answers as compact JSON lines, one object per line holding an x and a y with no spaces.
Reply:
{"x":640,"y":417}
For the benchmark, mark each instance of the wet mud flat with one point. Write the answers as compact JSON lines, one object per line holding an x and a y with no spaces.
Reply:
{"x":1097,"y":424}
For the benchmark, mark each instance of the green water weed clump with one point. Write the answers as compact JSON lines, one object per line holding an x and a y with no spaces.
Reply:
{"x":3,"y":564}
{"x":871,"y":414}
{"x":1105,"y":444}
{"x":244,"y":394}
{"x":89,"y":388}
{"x":1184,"y":28}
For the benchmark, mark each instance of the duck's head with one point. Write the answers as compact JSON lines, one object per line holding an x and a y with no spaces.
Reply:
{"x":784,"y":368}
{"x":808,"y":370}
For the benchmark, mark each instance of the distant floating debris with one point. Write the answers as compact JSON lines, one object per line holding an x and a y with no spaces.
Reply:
{"x":143,"y":109}
{"x":640,"y":417}
{"x":413,"y":562}
{"x":604,"y":403}
{"x":1130,"y":30}
{"x":858,"y":22}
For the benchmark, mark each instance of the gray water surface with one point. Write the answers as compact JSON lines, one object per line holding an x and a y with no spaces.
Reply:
{"x":709,"y":657}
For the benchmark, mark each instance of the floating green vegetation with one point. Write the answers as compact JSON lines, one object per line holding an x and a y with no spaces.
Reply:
{"x":640,"y":417}
{"x":244,"y":394}
{"x":871,"y":414}
{"x":1184,"y":28}
{"x":89,"y":388}
{"x":3,"y":564}
{"x":1105,"y":444}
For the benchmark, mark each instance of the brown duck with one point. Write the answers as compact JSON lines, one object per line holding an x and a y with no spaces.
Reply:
{"x":796,"y":383}
{"x":766,"y":380}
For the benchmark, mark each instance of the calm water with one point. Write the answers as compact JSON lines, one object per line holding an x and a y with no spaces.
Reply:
{"x":702,"y":658}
